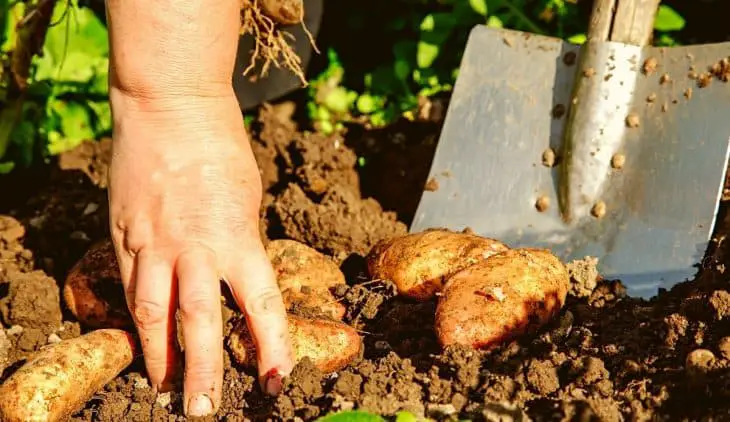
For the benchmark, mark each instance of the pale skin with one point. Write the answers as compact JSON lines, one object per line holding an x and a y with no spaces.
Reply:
{"x":185,"y":192}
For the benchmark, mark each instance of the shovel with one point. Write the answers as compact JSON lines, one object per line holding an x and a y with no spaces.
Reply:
{"x":613,"y":149}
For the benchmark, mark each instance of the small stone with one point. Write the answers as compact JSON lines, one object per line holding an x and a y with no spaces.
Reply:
{"x":91,"y":208}
{"x":724,"y":347}
{"x":54,"y":338}
{"x":163,"y":399}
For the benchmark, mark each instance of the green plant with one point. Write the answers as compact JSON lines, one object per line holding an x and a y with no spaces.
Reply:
{"x":427,"y":39}
{"x":62,"y":99}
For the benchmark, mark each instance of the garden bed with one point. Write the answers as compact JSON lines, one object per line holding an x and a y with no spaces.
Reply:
{"x":605,"y":357}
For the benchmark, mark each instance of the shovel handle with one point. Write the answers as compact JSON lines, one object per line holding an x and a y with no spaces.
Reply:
{"x":624,"y":21}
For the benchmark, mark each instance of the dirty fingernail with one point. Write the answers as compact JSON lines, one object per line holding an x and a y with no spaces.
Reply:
{"x":200,"y":405}
{"x":273,"y":383}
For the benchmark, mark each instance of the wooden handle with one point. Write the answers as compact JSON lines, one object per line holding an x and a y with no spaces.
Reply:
{"x":634,"y":21}
{"x":624,"y":21}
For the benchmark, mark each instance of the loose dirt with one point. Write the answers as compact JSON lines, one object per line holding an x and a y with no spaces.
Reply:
{"x":605,"y":357}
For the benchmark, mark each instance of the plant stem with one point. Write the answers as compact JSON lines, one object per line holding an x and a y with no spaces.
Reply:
{"x":522,"y":17}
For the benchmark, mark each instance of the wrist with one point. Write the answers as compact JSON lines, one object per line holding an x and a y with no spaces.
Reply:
{"x":176,"y":118}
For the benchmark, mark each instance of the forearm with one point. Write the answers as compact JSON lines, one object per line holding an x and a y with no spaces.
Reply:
{"x":162,"y":49}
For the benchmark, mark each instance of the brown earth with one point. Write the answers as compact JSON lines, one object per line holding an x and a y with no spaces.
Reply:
{"x":606,"y":357}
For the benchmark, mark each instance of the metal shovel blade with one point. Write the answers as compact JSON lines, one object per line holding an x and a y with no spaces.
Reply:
{"x":639,"y":171}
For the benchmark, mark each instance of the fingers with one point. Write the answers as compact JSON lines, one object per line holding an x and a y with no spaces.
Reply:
{"x":202,"y":325}
{"x":254,"y":287}
{"x":152,"y":303}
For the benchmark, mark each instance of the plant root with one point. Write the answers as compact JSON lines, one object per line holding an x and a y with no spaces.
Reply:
{"x":271,"y":42}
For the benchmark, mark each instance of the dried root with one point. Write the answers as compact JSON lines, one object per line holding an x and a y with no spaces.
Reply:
{"x":262,"y":19}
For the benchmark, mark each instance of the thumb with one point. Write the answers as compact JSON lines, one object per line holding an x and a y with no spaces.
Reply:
{"x":254,"y":287}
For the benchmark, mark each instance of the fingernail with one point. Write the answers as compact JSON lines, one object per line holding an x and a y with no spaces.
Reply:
{"x":273,"y":382}
{"x":200,"y":405}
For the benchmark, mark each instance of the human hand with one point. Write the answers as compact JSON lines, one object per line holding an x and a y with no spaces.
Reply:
{"x":184,"y":195}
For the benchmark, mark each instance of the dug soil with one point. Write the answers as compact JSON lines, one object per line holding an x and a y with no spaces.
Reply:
{"x":606,"y":357}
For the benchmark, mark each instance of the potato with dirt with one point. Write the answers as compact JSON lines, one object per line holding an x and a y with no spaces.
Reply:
{"x":497,"y":299}
{"x":283,"y":12}
{"x":93,"y":289}
{"x":94,"y":294}
{"x":306,"y":277}
{"x":61,"y":379}
{"x":330,"y":345}
{"x":420,"y":263}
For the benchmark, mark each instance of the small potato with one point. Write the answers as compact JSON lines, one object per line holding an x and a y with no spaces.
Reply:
{"x":284,"y":12}
{"x":59,"y":380}
{"x":496,"y":300}
{"x":419,"y":263}
{"x":93,"y":290}
{"x":330,"y":345}
{"x":306,"y":276}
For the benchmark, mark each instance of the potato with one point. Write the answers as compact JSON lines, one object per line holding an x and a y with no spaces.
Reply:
{"x":284,"y":12}
{"x":306,"y":276}
{"x":331,"y":345}
{"x":419,"y":263}
{"x":59,"y":380}
{"x":498,"y":299}
{"x":93,"y":289}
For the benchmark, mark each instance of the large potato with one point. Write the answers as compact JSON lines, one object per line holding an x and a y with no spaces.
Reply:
{"x":330,"y":345}
{"x":419,"y":263}
{"x":93,"y":290}
{"x":306,"y":276}
{"x":59,"y":380}
{"x":495,"y":300}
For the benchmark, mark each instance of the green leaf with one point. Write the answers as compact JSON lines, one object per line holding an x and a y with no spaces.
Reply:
{"x":77,"y":29}
{"x":577,"y":39}
{"x":479,"y":6}
{"x":351,"y":416}
{"x":366,"y":104}
{"x":337,"y":100}
{"x":405,"y":417}
{"x":494,"y":22}
{"x":73,"y":125}
{"x":6,"y":167}
{"x":426,"y":54}
{"x":667,"y":19}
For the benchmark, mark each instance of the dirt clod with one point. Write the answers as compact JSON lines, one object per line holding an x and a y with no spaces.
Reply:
{"x":649,"y":65}
{"x":548,"y":157}
{"x":542,"y":204}
{"x":632,"y":120}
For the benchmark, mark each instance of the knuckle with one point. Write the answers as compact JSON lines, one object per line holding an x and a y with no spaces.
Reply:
{"x":149,"y":314}
{"x":203,"y":369}
{"x":197,"y":308}
{"x":265,"y":302}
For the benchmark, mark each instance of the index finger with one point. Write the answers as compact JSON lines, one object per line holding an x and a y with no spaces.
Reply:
{"x":253,"y":284}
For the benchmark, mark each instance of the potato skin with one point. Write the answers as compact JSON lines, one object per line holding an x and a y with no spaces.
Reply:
{"x":496,"y":300}
{"x":284,"y":12}
{"x":306,"y":276}
{"x":419,"y":263}
{"x":95,"y":272}
{"x":330,"y":345}
{"x":59,"y":380}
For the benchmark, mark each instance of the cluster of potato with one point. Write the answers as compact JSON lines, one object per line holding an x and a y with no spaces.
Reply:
{"x":487,"y":293}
